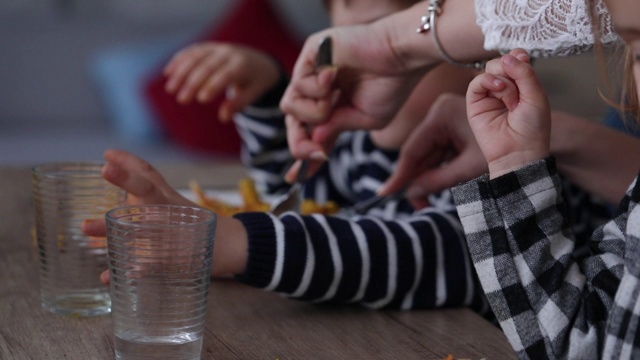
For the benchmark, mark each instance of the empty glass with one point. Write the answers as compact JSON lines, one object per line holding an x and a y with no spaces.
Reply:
{"x":65,"y":194}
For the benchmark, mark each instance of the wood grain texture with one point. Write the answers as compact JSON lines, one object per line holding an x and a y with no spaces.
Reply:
{"x":242,"y":322}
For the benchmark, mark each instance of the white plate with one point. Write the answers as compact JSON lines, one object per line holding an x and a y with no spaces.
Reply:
{"x":231,"y":197}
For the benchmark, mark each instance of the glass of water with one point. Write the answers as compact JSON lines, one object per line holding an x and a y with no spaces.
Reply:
{"x":160,"y":266}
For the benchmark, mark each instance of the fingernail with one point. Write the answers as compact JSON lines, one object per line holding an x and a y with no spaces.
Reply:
{"x":230,"y":92}
{"x":224,"y":114}
{"x":382,"y":191}
{"x":109,"y":172}
{"x":203,"y":97}
{"x":85,"y":225}
{"x":318,"y":155}
{"x":522,"y":57}
{"x":509,"y":60}
{"x":170,"y":86}
{"x":289,"y":178}
{"x":104,"y":277}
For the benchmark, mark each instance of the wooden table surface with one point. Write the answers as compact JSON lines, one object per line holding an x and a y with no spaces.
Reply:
{"x":242,"y":323}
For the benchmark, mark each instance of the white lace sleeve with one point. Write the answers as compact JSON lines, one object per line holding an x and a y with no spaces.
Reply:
{"x":542,"y":27}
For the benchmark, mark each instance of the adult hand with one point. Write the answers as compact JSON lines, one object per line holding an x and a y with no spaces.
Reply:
{"x":363,"y":90}
{"x":204,"y":70}
{"x":440,"y":153}
{"x":378,"y":66}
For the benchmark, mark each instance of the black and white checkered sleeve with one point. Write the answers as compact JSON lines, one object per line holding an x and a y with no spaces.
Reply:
{"x":548,"y":304}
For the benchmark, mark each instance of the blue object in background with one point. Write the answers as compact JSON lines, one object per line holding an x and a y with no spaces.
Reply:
{"x":614,"y":120}
{"x":120,"y":74}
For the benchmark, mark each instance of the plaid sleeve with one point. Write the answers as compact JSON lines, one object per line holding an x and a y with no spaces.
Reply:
{"x":622,"y":339}
{"x":548,"y":304}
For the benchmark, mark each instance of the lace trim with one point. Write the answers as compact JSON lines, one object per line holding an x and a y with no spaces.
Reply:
{"x":542,"y":27}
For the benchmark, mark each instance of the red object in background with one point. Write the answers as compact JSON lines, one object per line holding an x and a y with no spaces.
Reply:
{"x":196,"y":126}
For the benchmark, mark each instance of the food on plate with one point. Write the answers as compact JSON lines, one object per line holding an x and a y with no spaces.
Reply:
{"x":252,"y":201}
{"x":311,"y":207}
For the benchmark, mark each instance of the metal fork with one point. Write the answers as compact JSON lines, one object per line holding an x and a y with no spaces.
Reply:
{"x":364,"y":206}
{"x":292,"y":199}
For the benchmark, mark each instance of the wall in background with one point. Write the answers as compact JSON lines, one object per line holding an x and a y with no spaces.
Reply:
{"x":46,"y":48}
{"x":50,"y":106}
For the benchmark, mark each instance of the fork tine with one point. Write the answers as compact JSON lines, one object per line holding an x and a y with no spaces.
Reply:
{"x":362,"y":207}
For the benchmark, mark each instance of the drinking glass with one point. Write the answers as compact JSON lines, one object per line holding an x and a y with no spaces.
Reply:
{"x":160,"y":266}
{"x":70,"y":263}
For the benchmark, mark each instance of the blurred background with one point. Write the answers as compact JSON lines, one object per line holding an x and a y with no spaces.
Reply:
{"x":74,"y":73}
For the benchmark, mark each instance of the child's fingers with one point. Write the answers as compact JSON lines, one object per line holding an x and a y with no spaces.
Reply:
{"x":525,"y":78}
{"x":104,"y":277}
{"x":498,"y":87}
{"x":530,"y":89}
{"x":218,"y":80}
{"x":180,"y":68}
{"x":94,"y":227}
{"x":210,"y":70}
{"x":521,"y":55}
{"x":495,"y":66}
{"x":134,"y":175}
{"x":237,"y":98}
{"x":482,"y":85}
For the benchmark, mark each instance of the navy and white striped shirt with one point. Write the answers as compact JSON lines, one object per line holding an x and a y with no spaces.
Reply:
{"x":394,"y":257}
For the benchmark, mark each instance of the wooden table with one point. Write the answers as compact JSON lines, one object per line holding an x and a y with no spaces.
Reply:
{"x":243,"y":322}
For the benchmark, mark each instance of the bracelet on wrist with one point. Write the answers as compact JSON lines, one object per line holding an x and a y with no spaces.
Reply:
{"x":428,"y":23}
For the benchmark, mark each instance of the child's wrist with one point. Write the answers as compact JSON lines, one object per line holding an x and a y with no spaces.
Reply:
{"x":515,"y":161}
{"x":272,"y":96}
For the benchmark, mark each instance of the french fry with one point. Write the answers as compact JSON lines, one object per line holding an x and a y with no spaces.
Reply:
{"x":211,"y":203}
{"x":311,"y":207}
{"x":252,"y":201}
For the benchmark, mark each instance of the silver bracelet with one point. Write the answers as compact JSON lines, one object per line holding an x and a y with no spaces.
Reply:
{"x":428,"y":22}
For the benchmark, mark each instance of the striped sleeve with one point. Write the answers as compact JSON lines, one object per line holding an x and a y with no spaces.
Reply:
{"x":265,"y":152}
{"x":416,"y":263}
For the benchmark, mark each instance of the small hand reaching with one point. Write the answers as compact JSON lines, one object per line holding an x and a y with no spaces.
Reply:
{"x":143,"y":183}
{"x":203,"y":71}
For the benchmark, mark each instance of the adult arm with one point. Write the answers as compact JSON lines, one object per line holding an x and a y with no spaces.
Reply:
{"x":379,"y":63}
{"x":595,"y":157}
{"x":443,"y":152}
{"x":375,"y":68}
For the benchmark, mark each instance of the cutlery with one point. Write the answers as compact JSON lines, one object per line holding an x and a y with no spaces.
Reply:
{"x":362,"y":207}
{"x":292,"y":199}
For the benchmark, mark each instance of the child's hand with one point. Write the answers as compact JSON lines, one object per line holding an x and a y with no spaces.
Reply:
{"x":143,"y":183}
{"x":203,"y":71}
{"x":509,"y":114}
